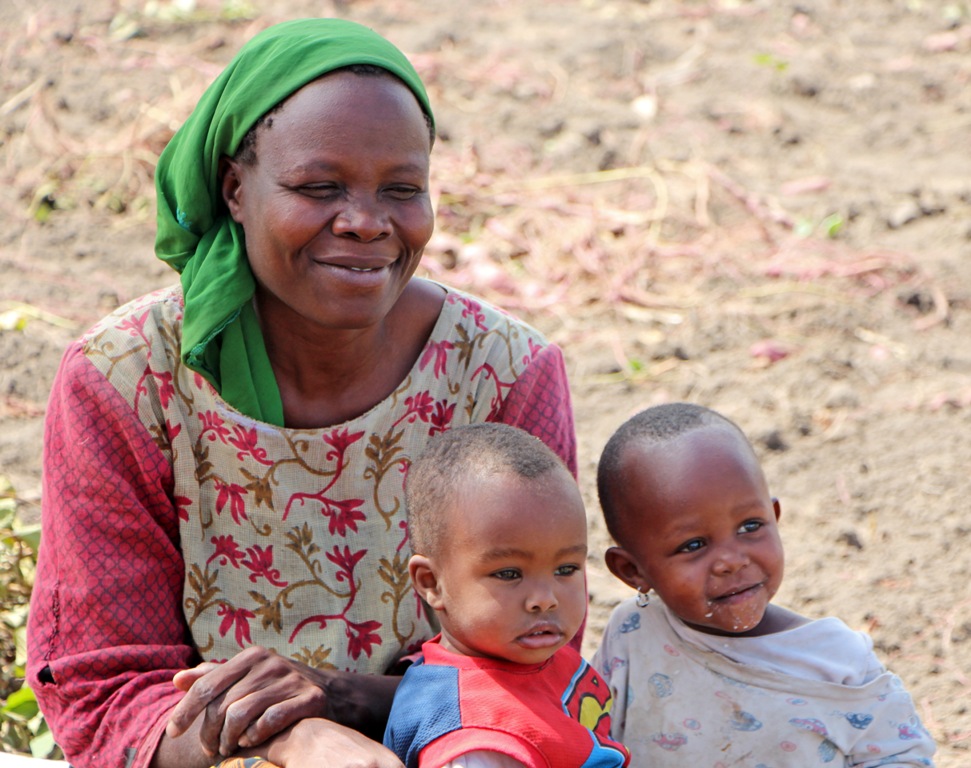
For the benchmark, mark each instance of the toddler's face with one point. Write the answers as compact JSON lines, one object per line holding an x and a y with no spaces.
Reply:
{"x":703,"y":529}
{"x":511,"y":573}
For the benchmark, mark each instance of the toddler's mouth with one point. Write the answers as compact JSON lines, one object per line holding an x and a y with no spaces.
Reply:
{"x":542,"y":636}
{"x":738,"y":593}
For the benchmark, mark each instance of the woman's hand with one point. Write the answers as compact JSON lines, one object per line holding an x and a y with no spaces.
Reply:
{"x":259,"y":693}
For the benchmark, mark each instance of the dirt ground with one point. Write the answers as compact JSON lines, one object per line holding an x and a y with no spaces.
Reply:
{"x":760,"y":206}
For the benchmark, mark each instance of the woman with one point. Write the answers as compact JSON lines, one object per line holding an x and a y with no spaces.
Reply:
{"x":225,"y":460}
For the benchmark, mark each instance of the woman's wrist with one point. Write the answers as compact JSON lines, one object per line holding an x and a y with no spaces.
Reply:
{"x":362,"y":702}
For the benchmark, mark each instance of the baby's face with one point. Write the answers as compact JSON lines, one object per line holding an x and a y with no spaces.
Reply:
{"x":511,"y":572}
{"x":703,"y":529}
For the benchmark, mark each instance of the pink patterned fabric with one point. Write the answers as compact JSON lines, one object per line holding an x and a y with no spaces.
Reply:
{"x":146,"y":492}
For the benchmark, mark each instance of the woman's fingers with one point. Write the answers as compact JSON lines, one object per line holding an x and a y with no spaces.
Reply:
{"x":257,"y":717}
{"x":255,"y":695}
{"x":266,"y":721}
{"x":184,"y":679}
{"x":207,"y":684}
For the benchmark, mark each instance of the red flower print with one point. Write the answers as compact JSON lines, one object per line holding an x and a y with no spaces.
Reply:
{"x":260,"y":562}
{"x":360,"y":637}
{"x":345,"y":561}
{"x":232,"y":493}
{"x":182,"y":505}
{"x":343,"y":515}
{"x":417,"y":406}
{"x":340,"y":440}
{"x":437,"y":351}
{"x":135,"y":325}
{"x":496,"y":401}
{"x":442,"y":417}
{"x":173,"y":430}
{"x":227,"y":550}
{"x":474,"y":309}
{"x":246,"y":441}
{"x":165,"y":388}
{"x":213,"y":426}
{"x":238,"y":616}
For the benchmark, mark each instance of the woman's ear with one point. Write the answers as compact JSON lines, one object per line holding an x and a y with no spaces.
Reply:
{"x":622,"y":564}
{"x":424,"y":577}
{"x":229,"y":183}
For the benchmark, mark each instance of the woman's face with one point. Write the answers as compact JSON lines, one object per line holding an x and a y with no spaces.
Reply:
{"x":336,"y":208}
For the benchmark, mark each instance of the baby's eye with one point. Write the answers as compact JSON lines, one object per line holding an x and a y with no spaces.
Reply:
{"x":507,"y":574}
{"x":692,"y":546}
{"x":750,"y":526}
{"x":567,"y":570}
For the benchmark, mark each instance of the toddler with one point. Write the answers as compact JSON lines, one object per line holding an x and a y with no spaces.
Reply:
{"x":711,"y":672}
{"x":499,"y":534}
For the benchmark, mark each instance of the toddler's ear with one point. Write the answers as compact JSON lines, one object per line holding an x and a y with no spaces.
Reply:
{"x":622,"y":564}
{"x":425,"y":580}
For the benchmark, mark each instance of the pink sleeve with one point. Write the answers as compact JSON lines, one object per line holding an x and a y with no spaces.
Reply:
{"x":539,"y":402}
{"x":106,"y":631}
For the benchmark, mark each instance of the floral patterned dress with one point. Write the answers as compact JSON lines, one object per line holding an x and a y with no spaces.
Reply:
{"x":178,"y":528}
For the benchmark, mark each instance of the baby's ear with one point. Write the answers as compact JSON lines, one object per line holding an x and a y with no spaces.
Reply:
{"x":622,"y":564}
{"x":424,"y":577}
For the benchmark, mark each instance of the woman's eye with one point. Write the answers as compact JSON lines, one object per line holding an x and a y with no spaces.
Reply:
{"x":507,"y":574}
{"x":319,"y":190}
{"x":567,"y":570}
{"x":403,"y":192}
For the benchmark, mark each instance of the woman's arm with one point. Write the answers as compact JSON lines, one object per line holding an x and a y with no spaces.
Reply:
{"x":539,"y":402}
{"x":106,"y":631}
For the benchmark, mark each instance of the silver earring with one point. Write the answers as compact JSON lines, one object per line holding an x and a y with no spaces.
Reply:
{"x":643,"y":598}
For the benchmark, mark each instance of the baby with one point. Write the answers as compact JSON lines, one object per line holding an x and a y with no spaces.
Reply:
{"x":712,"y":672}
{"x":499,"y":534}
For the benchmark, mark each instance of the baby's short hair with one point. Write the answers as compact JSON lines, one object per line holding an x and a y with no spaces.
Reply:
{"x":474,"y":450}
{"x":654,"y":425}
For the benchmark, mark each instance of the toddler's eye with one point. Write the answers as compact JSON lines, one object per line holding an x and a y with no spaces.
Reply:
{"x":567,"y":570}
{"x":750,"y":526}
{"x":507,"y":574}
{"x":692,"y":546}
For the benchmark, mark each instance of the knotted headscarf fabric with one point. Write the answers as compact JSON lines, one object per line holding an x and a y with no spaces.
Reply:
{"x":221,"y":337}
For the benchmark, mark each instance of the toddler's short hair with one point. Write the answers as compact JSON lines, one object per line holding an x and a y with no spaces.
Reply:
{"x":654,"y":425}
{"x":474,"y":450}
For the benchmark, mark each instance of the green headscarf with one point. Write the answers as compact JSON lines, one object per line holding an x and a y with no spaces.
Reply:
{"x":221,"y":337}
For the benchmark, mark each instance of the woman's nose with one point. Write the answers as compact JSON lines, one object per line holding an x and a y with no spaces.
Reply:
{"x":363,"y":219}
